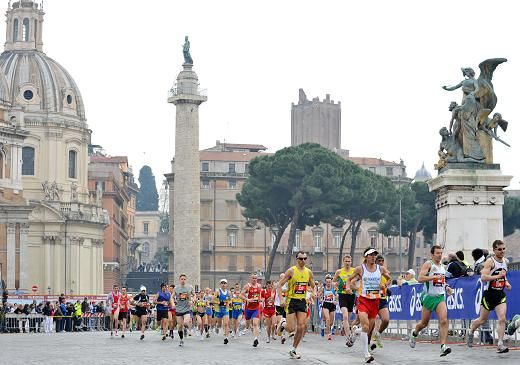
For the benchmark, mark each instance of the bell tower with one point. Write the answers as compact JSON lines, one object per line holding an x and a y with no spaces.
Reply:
{"x":24,"y":25}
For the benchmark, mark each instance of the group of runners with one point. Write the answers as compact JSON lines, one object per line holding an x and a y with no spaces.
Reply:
{"x":284,"y":306}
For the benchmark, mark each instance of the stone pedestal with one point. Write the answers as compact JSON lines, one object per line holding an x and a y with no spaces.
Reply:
{"x":469,"y":205}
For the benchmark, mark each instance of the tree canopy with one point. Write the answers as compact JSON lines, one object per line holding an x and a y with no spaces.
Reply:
{"x":147,"y":198}
{"x":297,"y":186}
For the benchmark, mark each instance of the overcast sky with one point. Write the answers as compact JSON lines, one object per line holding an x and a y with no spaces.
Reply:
{"x":384,"y":60}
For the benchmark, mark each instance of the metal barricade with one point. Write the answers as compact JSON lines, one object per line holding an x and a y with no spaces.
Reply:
{"x":23,"y":323}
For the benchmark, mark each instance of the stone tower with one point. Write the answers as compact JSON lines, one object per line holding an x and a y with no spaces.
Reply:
{"x":316,"y":121}
{"x":187,"y":97}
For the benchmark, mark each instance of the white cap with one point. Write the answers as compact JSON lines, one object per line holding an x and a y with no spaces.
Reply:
{"x":370,"y":252}
{"x":143,"y":288}
{"x":223,"y":281}
{"x":411,"y":272}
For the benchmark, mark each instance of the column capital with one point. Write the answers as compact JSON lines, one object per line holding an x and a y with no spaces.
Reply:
{"x":11,"y":227}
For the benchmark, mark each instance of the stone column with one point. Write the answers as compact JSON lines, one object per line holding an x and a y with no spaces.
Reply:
{"x":46,"y":262}
{"x":11,"y":255}
{"x":186,"y":195}
{"x":24,"y":257}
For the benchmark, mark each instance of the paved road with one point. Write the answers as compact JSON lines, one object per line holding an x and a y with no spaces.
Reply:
{"x":94,"y":348}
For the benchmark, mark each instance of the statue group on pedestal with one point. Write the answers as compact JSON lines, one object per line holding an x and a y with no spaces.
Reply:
{"x":469,"y":135}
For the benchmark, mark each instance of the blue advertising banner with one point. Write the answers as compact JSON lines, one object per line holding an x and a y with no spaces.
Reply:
{"x":405,"y":302}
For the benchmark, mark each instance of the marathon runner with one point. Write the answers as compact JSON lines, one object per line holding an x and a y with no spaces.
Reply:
{"x":299,"y":278}
{"x":346,"y":296}
{"x":269,"y":312}
{"x":221,"y":300}
{"x":142,"y":303}
{"x":329,"y":299}
{"x":200,"y":314}
{"x":208,"y":299}
{"x":384,"y":313}
{"x":494,"y":297}
{"x":279,"y":302}
{"x":251,"y":295}
{"x":433,"y":275}
{"x":368,"y":302}
{"x":163,"y":302}
{"x":172,"y":315}
{"x":184,"y":294}
{"x":113,"y":301}
{"x":123,"y":310}
{"x":237,"y":309}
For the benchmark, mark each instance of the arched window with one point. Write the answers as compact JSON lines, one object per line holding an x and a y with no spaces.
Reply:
{"x":27,"y":161}
{"x":72,"y":164}
{"x":35,"y":30}
{"x":15,"y":30}
{"x":25,"y":29}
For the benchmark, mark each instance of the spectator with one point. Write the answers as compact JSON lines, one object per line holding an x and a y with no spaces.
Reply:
{"x":460,"y":256}
{"x":77,"y":316}
{"x":46,"y":311}
{"x":58,"y":317}
{"x":480,"y":258}
{"x":455,"y":268}
{"x":409,"y":278}
{"x":394,"y":283}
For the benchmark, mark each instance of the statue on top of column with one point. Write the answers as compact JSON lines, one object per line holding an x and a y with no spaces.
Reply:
{"x":186,"y":51}
{"x":470,"y":128}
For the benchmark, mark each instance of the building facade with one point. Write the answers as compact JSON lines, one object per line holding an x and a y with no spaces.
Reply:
{"x":65,"y":233}
{"x":146,"y":239}
{"x":108,"y":181}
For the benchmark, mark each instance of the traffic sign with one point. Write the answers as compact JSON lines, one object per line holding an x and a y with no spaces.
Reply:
{"x":35,"y":288}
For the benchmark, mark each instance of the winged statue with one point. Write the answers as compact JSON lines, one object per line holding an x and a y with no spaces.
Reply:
{"x":473,"y":129}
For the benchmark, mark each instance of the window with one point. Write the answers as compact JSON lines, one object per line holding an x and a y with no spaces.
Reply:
{"x":35,"y":30}
{"x":317,"y":240}
{"x":205,"y":166}
{"x":232,"y":184}
{"x":389,"y":171}
{"x":205,"y":184}
{"x":232,"y":238}
{"x":337,"y":239}
{"x":298,"y":240}
{"x":246,"y":168}
{"x":28,"y":95}
{"x":27,"y":161}
{"x":72,"y":164}
{"x":25,"y":29}
{"x":372,"y":169}
{"x":232,"y":168}
{"x":145,"y":228}
{"x":15,"y":30}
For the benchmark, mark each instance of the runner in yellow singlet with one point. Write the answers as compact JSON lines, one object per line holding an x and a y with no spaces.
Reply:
{"x":299,"y":279}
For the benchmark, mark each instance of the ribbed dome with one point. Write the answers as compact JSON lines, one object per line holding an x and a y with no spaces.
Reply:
{"x":4,"y":89}
{"x":422,"y":174}
{"x":39,"y":83}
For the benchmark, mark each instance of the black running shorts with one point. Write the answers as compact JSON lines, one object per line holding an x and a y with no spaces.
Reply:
{"x":297,"y":305}
{"x":492,"y":298}
{"x":347,"y":301}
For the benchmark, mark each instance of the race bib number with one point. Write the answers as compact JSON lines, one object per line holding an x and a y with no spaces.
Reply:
{"x":498,"y":284}
{"x":300,"y":288}
{"x":329,"y":297}
{"x":255,"y":297}
{"x":183,"y":296}
{"x":372,"y":294}
{"x":439,"y":280}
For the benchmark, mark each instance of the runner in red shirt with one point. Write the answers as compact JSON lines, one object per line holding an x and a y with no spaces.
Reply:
{"x":123,"y":310}
{"x":251,"y":294}
{"x":268,"y":296}
{"x":113,"y":300}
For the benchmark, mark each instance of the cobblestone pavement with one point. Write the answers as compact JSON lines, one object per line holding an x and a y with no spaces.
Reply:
{"x":97,"y":348}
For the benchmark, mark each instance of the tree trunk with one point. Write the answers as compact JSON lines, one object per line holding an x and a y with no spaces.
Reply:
{"x":411,"y":244}
{"x":355,"y":230}
{"x":342,"y":245}
{"x":292,"y":237}
{"x":272,"y":254}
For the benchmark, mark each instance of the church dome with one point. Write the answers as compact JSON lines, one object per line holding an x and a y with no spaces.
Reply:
{"x":422,"y":174}
{"x":39,"y":83}
{"x":4,"y":90}
{"x":35,"y":82}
